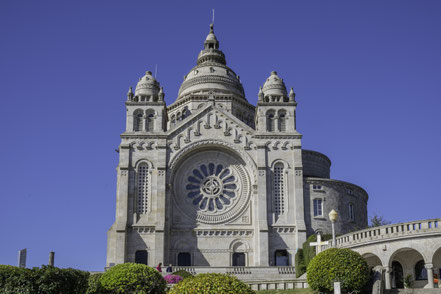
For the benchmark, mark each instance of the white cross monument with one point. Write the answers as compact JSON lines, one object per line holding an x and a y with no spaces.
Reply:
{"x":318,"y":245}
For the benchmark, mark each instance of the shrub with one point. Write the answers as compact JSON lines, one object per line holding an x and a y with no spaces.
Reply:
{"x":50,"y":279}
{"x":94,"y":284}
{"x":183,"y":274}
{"x":173,"y":279}
{"x":133,"y":278}
{"x":16,"y":280}
{"x":300,"y":263}
{"x":342,"y":265}
{"x":211,"y":283}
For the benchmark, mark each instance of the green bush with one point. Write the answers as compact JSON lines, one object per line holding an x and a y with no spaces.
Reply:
{"x":16,"y":280}
{"x":211,"y":284}
{"x":183,"y":274}
{"x":47,"y":279}
{"x":94,"y":284}
{"x":343,"y":265}
{"x":54,"y":280}
{"x":305,"y":255}
{"x":133,"y":278}
{"x":300,"y":263}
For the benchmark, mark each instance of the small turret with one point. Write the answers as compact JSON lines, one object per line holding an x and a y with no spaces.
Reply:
{"x":260,"y":95}
{"x":292,"y":95}
{"x":130,"y":94}
{"x":161,"y":94}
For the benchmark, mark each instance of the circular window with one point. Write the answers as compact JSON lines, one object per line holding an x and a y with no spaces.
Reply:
{"x":212,"y":187}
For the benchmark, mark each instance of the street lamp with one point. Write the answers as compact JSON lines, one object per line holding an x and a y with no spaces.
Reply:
{"x":333,"y":216}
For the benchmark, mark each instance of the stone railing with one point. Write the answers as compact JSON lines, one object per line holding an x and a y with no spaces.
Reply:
{"x":394,"y":231}
{"x":263,"y":274}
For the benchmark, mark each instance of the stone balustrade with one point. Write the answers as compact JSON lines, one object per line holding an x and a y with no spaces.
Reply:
{"x":258,"y":274}
{"x":388,"y":232}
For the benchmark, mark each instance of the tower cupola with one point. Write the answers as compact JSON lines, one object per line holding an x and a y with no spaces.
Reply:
{"x":274,"y":89}
{"x":147,"y":88}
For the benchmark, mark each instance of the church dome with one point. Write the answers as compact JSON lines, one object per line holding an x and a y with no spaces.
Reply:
{"x":211,"y":72}
{"x":147,"y":86}
{"x":274,"y":86}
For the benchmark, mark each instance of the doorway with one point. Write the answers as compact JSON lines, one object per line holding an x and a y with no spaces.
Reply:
{"x":397,"y":275}
{"x":141,"y":256}
{"x":184,"y":259}
{"x":281,"y":258}
{"x":238,"y":259}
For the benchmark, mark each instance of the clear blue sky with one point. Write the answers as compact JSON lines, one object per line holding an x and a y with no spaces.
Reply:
{"x":367,"y":76}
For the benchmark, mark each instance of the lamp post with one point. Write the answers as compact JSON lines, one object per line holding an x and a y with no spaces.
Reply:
{"x":333,"y":216}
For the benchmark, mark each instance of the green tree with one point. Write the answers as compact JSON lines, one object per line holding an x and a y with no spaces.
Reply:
{"x":377,"y":220}
{"x":343,"y":265}
{"x":133,"y":278}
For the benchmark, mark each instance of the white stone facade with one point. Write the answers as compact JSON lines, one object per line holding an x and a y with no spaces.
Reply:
{"x":212,"y":180}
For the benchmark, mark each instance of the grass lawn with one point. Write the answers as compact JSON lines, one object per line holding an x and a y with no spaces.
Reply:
{"x":291,"y":291}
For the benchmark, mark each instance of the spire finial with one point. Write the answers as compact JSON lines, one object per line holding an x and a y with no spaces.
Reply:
{"x":292,"y":95}
{"x":212,"y":21}
{"x":130,"y":94}
{"x":212,"y":28}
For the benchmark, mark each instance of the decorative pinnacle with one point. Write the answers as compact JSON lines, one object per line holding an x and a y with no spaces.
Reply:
{"x":212,"y":28}
{"x":260,"y":95}
{"x":130,"y":90}
{"x":292,"y":95}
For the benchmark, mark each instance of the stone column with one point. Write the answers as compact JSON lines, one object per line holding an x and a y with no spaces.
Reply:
{"x":261,"y":253}
{"x":429,"y":268}
{"x":51,"y":258}
{"x":388,"y":272}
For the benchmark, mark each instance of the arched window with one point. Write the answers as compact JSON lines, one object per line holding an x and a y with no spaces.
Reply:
{"x":138,"y":121}
{"x":150,"y":121}
{"x":143,"y":189}
{"x":279,"y":189}
{"x":318,"y":207}
{"x":141,"y":256}
{"x":173,"y":120}
{"x":270,"y":121}
{"x":351,"y":211}
{"x":282,"y":121}
{"x":420,"y":271}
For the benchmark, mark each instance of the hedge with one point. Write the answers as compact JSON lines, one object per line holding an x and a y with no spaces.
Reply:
{"x":211,"y":284}
{"x":335,"y":264}
{"x":47,"y":279}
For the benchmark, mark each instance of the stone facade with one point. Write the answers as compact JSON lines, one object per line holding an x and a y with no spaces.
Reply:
{"x":212,"y":180}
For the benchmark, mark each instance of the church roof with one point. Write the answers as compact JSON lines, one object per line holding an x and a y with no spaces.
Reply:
{"x":211,"y":72}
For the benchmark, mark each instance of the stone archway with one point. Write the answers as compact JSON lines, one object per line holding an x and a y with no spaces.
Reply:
{"x":372,"y":260}
{"x":402,"y":264}
{"x":436,"y":261}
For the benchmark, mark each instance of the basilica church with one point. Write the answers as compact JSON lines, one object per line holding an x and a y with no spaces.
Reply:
{"x":212,"y":180}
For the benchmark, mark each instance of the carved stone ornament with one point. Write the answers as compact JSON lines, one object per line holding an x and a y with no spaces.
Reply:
{"x":212,"y":187}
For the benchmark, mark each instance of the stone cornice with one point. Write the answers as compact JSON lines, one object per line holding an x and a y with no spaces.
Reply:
{"x":278,"y":136}
{"x":339,"y":183}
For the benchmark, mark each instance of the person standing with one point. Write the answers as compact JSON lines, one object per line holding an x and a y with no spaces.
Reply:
{"x":169,"y":269}
{"x":159,"y":267}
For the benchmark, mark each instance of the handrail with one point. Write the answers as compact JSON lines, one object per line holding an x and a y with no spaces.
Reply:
{"x":390,"y":231}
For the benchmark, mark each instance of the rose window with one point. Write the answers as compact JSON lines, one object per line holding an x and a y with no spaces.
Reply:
{"x":211,"y":187}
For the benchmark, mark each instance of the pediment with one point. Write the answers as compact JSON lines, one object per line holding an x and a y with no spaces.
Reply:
{"x":211,"y":122}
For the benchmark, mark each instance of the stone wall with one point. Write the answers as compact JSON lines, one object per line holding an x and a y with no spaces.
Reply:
{"x":336,"y":195}
{"x":315,"y":164}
